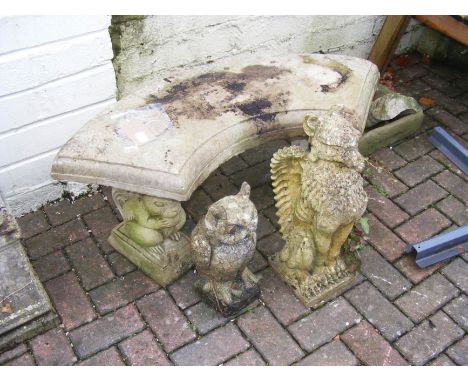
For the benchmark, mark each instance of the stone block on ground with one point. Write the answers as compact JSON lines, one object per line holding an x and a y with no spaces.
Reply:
{"x":407,"y":266}
{"x":442,"y":360}
{"x":280,"y":298}
{"x":414,"y":148}
{"x":453,"y":184}
{"x":24,"y":360}
{"x":51,"y":266}
{"x":106,"y":331}
{"x":370,"y":347}
{"x":269,"y":338}
{"x":387,"y":158}
{"x":384,"y":182}
{"x":56,"y":238}
{"x":70,"y":300}
{"x":101,"y":222}
{"x":53,"y":349}
{"x":213,"y":349}
{"x":419,"y":170}
{"x":459,"y":352}
{"x":32,"y":224}
{"x":89,"y":263}
{"x":379,"y":311}
{"x":454,"y":209}
{"x":322,"y":325}
{"x":384,"y":240}
{"x":248,"y":358}
{"x":382,"y":274}
{"x":183,"y":291}
{"x":427,"y":297}
{"x":165,"y":320}
{"x":109,"y":357}
{"x":143,"y":350}
{"x":384,"y":208}
{"x":25,"y":306}
{"x":331,"y":354}
{"x":429,"y":339}
{"x":121,"y":291}
{"x":204,"y":317}
{"x":420,"y":197}
{"x":457,"y":273}
{"x":13,"y":353}
{"x":429,"y":223}
{"x":457,"y":309}
{"x":120,"y":264}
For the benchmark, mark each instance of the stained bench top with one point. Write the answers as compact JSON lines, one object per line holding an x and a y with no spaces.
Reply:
{"x":167,"y":144}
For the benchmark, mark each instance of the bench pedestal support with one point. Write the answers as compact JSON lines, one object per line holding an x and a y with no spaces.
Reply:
{"x":150,"y":235}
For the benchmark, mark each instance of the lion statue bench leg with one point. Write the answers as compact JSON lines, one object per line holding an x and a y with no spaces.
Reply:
{"x":150,"y":235}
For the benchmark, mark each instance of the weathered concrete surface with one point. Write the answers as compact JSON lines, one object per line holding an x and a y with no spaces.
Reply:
{"x":148,"y":49}
{"x":390,"y":106}
{"x":25,"y":309}
{"x":167,"y":144}
{"x":390,"y":133}
{"x":392,"y":117}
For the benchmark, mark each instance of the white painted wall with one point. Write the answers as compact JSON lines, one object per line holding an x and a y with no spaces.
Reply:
{"x":55,"y":74}
{"x":162,"y":46}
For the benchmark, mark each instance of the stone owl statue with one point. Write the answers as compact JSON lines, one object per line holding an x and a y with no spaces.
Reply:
{"x":319,"y":196}
{"x":223,"y":243}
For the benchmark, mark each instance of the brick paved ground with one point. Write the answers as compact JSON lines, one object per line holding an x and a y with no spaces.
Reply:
{"x":397,"y":314}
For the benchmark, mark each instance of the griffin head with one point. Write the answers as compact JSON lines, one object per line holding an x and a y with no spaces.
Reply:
{"x":334,"y":136}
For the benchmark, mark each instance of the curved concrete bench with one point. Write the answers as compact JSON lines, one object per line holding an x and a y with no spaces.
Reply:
{"x":195,"y":125}
{"x":166,"y":144}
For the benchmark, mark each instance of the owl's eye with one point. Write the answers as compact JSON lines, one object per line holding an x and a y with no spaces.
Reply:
{"x":235,"y":229}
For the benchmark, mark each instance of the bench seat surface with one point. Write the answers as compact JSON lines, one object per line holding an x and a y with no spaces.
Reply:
{"x":167,"y":144}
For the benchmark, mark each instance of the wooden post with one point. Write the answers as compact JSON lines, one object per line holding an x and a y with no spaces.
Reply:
{"x":387,"y":40}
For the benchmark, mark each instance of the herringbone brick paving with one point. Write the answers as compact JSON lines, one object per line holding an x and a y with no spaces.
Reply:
{"x":396,"y":314}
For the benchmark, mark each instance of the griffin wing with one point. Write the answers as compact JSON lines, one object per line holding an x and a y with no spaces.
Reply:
{"x":286,"y":172}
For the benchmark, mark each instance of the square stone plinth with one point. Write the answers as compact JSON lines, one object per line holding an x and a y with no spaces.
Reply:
{"x":25,"y":307}
{"x":163,"y":269}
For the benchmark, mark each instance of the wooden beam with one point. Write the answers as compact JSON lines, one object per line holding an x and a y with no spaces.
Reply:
{"x":387,"y":40}
{"x":448,"y":26}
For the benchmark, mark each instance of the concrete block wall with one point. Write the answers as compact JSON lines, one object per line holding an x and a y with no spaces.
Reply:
{"x":149,"y":49}
{"x":56,"y":73}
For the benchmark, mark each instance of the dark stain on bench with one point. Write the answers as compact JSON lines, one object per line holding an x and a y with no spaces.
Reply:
{"x":235,"y":86}
{"x":209,"y":95}
{"x":255,"y":107}
{"x":261,"y":118}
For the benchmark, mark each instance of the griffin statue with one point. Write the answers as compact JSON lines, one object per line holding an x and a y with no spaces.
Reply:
{"x":319,"y":196}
